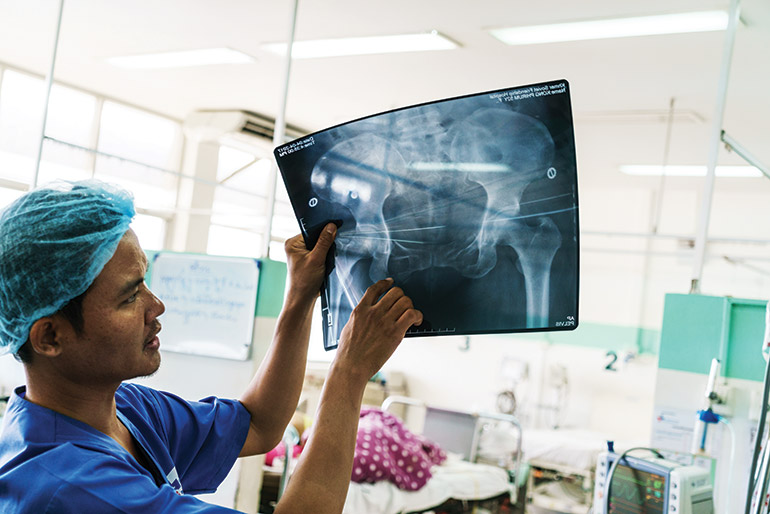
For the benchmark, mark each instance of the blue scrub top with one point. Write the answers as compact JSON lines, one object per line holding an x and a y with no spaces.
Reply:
{"x":51,"y":463}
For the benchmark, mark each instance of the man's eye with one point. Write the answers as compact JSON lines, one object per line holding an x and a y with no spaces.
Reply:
{"x":132,"y":298}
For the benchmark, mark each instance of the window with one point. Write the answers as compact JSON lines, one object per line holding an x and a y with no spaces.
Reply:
{"x":145,"y":148}
{"x":139,"y":136}
{"x":89,"y":136}
{"x":8,"y":195}
{"x":233,"y":242}
{"x":239,"y":210}
{"x":141,"y":143}
{"x":21,"y":117}
{"x":70,"y":127}
{"x":150,"y":230}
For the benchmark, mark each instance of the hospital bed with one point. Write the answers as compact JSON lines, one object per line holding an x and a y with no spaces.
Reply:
{"x":468,"y":479}
{"x":562,"y":464}
{"x":471,"y":479}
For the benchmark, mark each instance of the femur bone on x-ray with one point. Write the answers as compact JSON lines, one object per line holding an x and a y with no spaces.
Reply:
{"x":469,"y":203}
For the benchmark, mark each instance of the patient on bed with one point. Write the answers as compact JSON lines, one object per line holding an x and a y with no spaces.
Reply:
{"x":387,"y":450}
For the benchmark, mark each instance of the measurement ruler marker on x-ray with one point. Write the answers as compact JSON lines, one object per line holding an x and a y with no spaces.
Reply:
{"x":432,"y":331}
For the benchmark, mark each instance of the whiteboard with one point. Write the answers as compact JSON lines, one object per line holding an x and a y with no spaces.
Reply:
{"x":210,"y":303}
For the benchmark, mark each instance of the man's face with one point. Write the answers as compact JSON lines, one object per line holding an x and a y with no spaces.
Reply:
{"x":119,"y":338}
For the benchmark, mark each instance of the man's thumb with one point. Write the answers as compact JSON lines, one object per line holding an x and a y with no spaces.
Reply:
{"x":326,"y":238}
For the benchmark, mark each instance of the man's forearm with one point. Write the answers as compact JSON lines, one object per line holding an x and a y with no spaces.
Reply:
{"x":272,"y":395}
{"x":322,"y":477}
{"x":375,"y":328}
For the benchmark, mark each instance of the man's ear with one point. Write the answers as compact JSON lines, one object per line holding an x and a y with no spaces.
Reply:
{"x":44,"y":336}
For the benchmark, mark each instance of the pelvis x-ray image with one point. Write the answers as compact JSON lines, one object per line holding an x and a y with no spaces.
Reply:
{"x":469,"y":203}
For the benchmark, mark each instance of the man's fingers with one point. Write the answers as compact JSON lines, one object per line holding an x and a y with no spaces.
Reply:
{"x":390,"y":298}
{"x":294,"y":242}
{"x":404,"y":306}
{"x":375,"y":291}
{"x":410,"y":317}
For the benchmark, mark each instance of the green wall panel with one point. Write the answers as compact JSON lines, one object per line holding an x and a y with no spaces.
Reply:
{"x":747,"y":331}
{"x":617,"y":338}
{"x":691,"y":332}
{"x":698,"y":328}
{"x":272,"y":282}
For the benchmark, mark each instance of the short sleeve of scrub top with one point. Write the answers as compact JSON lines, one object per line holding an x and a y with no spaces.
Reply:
{"x":51,"y":463}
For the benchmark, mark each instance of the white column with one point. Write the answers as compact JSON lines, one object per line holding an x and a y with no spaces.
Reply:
{"x":189,"y":231}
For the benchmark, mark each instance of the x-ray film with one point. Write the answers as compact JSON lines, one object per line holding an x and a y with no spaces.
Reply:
{"x":469,"y":203}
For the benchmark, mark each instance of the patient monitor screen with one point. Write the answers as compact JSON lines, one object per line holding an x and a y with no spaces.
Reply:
{"x":469,"y":204}
{"x":634,"y":491}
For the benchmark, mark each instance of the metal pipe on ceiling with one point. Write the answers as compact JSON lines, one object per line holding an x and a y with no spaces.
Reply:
{"x":716,"y":133}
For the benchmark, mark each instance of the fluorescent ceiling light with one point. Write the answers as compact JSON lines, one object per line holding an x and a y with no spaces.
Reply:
{"x":701,"y":21}
{"x":690,"y":171}
{"x":203,"y":57}
{"x":363,"y":45}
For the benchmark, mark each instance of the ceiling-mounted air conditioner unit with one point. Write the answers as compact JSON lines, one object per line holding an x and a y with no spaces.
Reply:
{"x":244,"y":129}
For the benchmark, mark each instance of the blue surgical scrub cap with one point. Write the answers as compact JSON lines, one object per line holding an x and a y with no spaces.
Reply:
{"x":54,"y":241}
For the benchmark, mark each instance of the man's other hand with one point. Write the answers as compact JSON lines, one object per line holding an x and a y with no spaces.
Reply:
{"x":375,"y":329}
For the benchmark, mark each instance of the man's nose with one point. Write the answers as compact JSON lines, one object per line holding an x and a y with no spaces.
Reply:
{"x":157,"y":307}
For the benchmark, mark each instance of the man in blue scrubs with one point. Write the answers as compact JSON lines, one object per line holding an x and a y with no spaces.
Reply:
{"x":75,"y":310}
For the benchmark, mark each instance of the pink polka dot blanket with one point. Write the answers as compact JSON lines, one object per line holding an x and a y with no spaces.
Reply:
{"x":387,"y":450}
